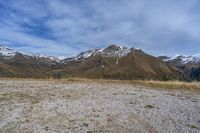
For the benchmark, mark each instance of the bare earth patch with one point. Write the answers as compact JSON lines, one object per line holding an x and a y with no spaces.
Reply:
{"x":48,"y":106}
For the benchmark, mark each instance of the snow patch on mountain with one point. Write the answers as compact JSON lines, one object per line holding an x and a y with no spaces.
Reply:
{"x":184,"y":59}
{"x":5,"y":51}
{"x":54,"y":58}
{"x":111,"y":51}
{"x":86,"y":54}
{"x":8,"y":52}
{"x":114,"y":51}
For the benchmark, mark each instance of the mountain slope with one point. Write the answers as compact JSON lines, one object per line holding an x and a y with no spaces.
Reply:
{"x":19,"y":64}
{"x":118,"y":62}
{"x":7,"y":70}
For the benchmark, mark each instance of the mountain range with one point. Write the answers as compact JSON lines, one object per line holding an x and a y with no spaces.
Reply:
{"x":112,"y":62}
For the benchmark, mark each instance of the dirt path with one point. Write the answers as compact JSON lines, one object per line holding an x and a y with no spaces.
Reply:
{"x":44,"y":106}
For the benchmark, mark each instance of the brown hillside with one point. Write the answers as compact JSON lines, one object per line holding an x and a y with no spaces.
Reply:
{"x":136,"y":65}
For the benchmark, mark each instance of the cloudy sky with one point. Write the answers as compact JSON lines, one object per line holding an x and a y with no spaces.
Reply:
{"x":66,"y":27}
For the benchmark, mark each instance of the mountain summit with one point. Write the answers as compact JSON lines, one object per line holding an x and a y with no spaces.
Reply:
{"x":118,"y":62}
{"x":110,"y":51}
{"x":7,"y":52}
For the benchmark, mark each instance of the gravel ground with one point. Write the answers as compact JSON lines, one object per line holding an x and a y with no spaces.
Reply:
{"x":49,"y":106}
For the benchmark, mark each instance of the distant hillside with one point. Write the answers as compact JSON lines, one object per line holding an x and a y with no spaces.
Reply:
{"x":113,"y":62}
{"x":16,"y":64}
{"x":118,"y":62}
{"x":189,"y":64}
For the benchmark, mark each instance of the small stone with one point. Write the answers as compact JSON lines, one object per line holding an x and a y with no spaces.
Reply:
{"x":89,"y":131}
{"x":149,"y":106}
{"x":46,"y":128}
{"x":85,"y":124}
{"x":192,"y":126}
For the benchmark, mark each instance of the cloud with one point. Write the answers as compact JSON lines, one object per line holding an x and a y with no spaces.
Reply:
{"x":60,"y":27}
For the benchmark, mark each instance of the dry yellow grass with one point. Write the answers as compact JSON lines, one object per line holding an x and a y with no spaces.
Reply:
{"x":170,"y":84}
{"x":147,"y":83}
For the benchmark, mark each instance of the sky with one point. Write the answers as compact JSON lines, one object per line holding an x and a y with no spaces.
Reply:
{"x":67,"y":27}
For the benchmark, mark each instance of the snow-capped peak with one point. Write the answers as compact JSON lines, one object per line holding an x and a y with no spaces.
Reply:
{"x":87,"y":53}
{"x":8,"y":52}
{"x":193,"y":59}
{"x":110,"y":51}
{"x":83,"y":55}
{"x":5,"y":51}
{"x":184,"y":59}
{"x":54,"y":58}
{"x":114,"y":51}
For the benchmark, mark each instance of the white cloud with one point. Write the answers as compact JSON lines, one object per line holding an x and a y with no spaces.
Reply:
{"x":72,"y":26}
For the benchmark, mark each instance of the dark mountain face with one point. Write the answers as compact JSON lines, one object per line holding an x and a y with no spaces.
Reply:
{"x":195,"y":73}
{"x":113,"y":62}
